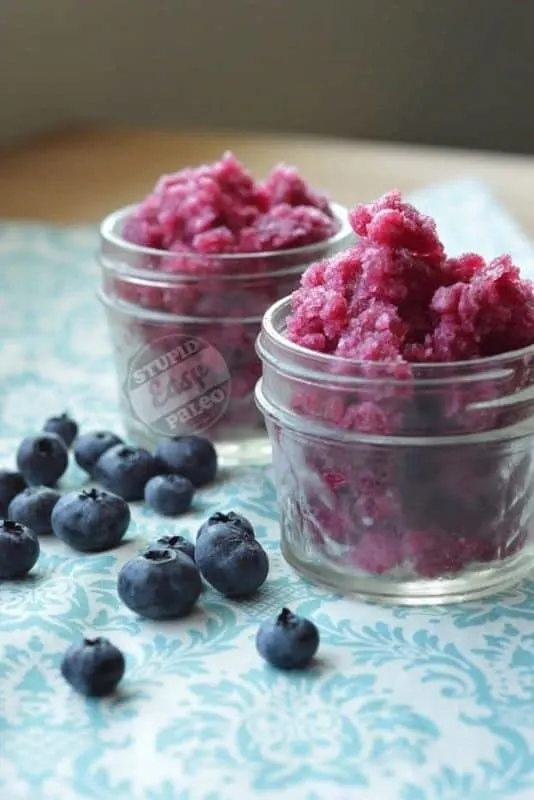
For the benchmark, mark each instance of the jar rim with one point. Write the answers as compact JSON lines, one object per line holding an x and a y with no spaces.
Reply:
{"x":321,"y":363}
{"x":111,"y":238}
{"x":132,"y":311}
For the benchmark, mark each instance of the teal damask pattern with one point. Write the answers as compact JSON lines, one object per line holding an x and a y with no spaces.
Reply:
{"x":403,"y":704}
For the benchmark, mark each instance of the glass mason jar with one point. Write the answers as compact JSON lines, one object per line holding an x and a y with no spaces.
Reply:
{"x":183,"y":328}
{"x":404,"y":483}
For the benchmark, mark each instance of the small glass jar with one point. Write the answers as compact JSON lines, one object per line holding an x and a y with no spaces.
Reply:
{"x":404,"y":483}
{"x":183,"y":328}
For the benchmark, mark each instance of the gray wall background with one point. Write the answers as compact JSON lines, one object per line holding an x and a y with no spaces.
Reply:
{"x":454,"y":72}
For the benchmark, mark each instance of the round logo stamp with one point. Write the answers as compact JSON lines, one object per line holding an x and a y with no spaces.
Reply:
{"x":178,"y":385}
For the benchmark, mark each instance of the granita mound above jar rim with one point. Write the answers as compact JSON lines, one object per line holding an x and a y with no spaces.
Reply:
{"x":397,"y":297}
{"x":218,"y":208}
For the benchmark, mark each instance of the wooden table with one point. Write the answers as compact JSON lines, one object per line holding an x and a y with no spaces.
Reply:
{"x":79,"y":176}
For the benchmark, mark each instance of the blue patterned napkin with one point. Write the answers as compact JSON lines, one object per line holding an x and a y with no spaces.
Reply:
{"x":404,"y":704}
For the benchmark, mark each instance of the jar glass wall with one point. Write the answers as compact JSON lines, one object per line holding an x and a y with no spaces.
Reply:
{"x":403,"y":483}
{"x":183,"y":328}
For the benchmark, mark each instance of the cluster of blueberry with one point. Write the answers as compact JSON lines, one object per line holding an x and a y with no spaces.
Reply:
{"x":165,"y":580}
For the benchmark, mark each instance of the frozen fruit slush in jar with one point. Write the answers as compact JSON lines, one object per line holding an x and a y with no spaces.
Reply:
{"x":187,"y":275}
{"x":398,"y":391}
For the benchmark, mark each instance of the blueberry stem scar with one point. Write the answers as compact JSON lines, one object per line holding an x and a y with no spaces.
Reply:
{"x":284,"y":617}
{"x":90,"y":494}
{"x":44,"y":447}
{"x":12,"y":527}
{"x":158,"y":554}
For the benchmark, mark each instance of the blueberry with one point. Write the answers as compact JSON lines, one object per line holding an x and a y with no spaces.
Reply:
{"x":169,"y":495}
{"x":33,"y":507}
{"x":42,"y":459}
{"x":19,"y":549}
{"x":287,"y":641}
{"x":177,"y":543}
{"x":11,"y":484}
{"x":126,"y":470}
{"x":226,"y":518}
{"x":91,"y":521}
{"x":191,"y":456}
{"x":160,"y":583}
{"x":93,"y":668}
{"x":90,"y":446}
{"x":231,"y":560}
{"x":63,"y":426}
